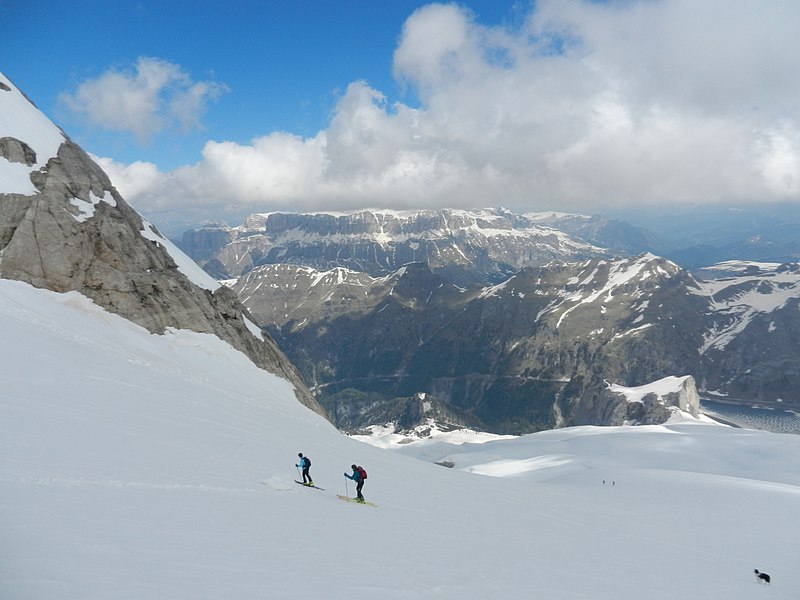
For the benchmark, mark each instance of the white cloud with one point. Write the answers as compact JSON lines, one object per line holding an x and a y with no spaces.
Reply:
{"x":779,"y":162}
{"x":583,"y":106}
{"x":144,"y":101}
{"x":439,"y":42}
{"x":134,"y":180}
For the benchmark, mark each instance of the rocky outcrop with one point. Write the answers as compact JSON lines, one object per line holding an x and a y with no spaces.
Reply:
{"x":74,"y":232}
{"x":16,"y":151}
{"x":650,"y":404}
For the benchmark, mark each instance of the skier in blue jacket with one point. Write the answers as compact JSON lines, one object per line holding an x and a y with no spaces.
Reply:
{"x":358,"y":478}
{"x":305,"y":464}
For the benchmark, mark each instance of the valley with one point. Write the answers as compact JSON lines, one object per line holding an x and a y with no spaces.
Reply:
{"x":513,"y":324}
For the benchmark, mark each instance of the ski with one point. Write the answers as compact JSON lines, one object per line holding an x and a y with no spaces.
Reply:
{"x":316,"y":487}
{"x":356,"y":500}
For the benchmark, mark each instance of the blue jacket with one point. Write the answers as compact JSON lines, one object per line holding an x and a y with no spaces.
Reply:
{"x":356,"y":476}
{"x":303,"y":463}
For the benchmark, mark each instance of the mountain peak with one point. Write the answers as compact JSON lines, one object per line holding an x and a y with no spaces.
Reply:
{"x":64,"y":227}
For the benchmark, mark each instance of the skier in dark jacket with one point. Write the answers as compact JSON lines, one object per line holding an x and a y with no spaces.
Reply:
{"x":305,"y":464}
{"x":357,"y":477}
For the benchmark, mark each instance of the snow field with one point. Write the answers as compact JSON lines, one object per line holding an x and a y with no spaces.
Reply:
{"x":138,"y":466}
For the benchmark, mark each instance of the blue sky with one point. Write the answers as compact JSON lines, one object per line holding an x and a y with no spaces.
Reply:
{"x":212,"y":110}
{"x":283,"y":62}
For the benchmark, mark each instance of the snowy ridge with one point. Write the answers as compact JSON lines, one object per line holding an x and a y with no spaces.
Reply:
{"x":742,"y":265}
{"x":387,"y":436}
{"x":302,"y":276}
{"x":604,"y":282}
{"x":336,"y":276}
{"x":394,"y":230}
{"x":667,"y":385}
{"x":185,"y":264}
{"x":313,"y":287}
{"x":549,"y":216}
{"x":21,"y":120}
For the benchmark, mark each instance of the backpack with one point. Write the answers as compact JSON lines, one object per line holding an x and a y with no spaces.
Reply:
{"x":307,"y":464}
{"x":362,"y":472}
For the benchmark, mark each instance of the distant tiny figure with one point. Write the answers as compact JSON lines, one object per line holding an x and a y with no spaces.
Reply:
{"x":359,"y":475}
{"x":762,"y":577}
{"x":305,"y":465}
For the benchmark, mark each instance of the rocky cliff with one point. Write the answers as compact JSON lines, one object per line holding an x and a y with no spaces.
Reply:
{"x":463,"y":246}
{"x":64,"y":227}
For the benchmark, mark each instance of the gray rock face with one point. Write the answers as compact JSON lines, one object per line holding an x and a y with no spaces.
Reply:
{"x":602,"y":403}
{"x":16,"y":151}
{"x":76,"y":233}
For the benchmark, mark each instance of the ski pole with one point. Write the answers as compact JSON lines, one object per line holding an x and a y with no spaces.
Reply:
{"x":299,"y":475}
{"x":346,"y":487}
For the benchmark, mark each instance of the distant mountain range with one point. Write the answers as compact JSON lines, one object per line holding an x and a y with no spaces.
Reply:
{"x":693,"y":237}
{"x":505,"y":322}
{"x":466,"y":247}
{"x":698,"y":236}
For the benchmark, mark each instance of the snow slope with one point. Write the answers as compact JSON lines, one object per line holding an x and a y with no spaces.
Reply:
{"x":139,"y":466}
{"x":21,"y":120}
